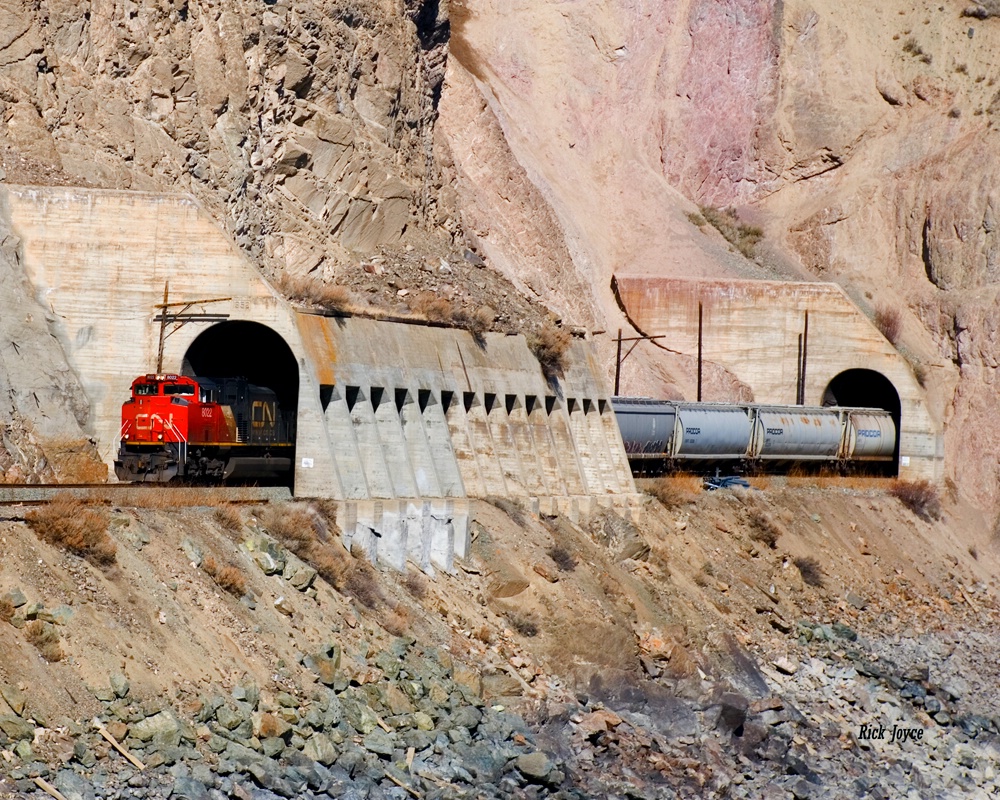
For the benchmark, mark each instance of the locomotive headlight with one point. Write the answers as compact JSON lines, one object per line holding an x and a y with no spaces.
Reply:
{"x":160,"y":437}
{"x":125,"y":436}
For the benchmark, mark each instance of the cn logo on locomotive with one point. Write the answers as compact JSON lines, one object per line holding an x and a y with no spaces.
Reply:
{"x":144,"y":422}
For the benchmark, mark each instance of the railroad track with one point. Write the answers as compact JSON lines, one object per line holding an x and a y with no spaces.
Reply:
{"x":143,"y":494}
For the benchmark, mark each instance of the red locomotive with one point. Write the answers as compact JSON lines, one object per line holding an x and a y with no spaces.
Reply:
{"x":174,"y":426}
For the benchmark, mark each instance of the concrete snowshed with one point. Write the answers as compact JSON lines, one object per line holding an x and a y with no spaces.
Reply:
{"x":403,"y":423}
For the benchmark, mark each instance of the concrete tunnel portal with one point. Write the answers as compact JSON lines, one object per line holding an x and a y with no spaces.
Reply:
{"x":246,"y":349}
{"x":866,"y":388}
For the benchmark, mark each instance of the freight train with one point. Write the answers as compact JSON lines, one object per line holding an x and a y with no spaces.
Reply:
{"x":213,"y":429}
{"x":203,"y":429}
{"x":661,"y":435}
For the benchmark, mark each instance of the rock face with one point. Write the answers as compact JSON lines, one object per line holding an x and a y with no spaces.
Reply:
{"x":311,"y":122}
{"x":43,"y":410}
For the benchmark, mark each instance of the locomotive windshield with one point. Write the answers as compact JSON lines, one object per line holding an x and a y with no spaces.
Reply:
{"x":178,"y":388}
{"x":145,"y":389}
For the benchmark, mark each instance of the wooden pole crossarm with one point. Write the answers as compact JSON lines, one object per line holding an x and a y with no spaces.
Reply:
{"x":192,"y":302}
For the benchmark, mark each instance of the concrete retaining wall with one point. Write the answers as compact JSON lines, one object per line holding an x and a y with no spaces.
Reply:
{"x":400,"y":422}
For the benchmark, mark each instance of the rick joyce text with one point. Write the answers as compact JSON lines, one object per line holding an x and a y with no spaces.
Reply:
{"x":895,"y":735}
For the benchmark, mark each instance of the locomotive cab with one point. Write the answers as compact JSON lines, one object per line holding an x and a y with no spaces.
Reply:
{"x":203,"y":428}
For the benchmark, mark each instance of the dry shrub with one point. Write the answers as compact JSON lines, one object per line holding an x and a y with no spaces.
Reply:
{"x":313,"y":290}
{"x":744,"y":238}
{"x":6,"y":609}
{"x":810,"y":570}
{"x":889,"y":321}
{"x":562,"y":557}
{"x":228,"y":578}
{"x":512,"y":508}
{"x":307,"y":533}
{"x":415,"y":585}
{"x":483,"y":634}
{"x":763,"y":529}
{"x":229,"y":517}
{"x":432,"y":307}
{"x":45,"y":637}
{"x":921,"y":497}
{"x":550,"y":346}
{"x":439,"y":309}
{"x":524,"y":624}
{"x":477,"y":322}
{"x":361,"y":584}
{"x":397,"y":621}
{"x":76,"y":526}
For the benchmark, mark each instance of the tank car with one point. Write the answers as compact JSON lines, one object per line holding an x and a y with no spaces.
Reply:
{"x":203,"y":429}
{"x":666,"y":433}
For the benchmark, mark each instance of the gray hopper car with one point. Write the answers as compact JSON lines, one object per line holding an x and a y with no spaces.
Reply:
{"x":675,"y":431}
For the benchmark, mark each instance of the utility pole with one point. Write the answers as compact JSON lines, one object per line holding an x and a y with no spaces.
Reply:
{"x":181,"y":318}
{"x":619,"y":358}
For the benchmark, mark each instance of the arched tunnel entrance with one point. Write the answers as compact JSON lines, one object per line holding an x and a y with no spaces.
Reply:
{"x":865,"y":388}
{"x":245,"y":349}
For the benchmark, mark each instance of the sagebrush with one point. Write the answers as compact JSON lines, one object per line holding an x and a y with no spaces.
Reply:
{"x":890,"y":322}
{"x":76,"y":526}
{"x":763,"y":528}
{"x":45,"y":637}
{"x":229,"y":517}
{"x":550,"y":346}
{"x":524,"y":624}
{"x":562,"y":558}
{"x":742,"y":237}
{"x":810,"y":570}
{"x":6,"y":609}
{"x":920,"y":497}
{"x":227,"y":577}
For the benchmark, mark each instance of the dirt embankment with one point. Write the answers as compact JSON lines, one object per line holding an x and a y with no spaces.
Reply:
{"x":682,"y":651}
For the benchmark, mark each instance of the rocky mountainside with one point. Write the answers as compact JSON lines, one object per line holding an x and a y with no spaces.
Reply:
{"x":559,"y":146}
{"x":733,"y":644}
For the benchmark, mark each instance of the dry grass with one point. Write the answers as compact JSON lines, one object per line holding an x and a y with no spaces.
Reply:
{"x":921,"y":497}
{"x":228,"y":578}
{"x":763,"y":529}
{"x":550,"y":346}
{"x":229,"y":517}
{"x":744,"y":238}
{"x":312,"y":290}
{"x":6,"y":609}
{"x":166,"y":498}
{"x":512,"y":508}
{"x":562,"y":558}
{"x":439,"y":309}
{"x":810,"y":570}
{"x":889,"y":321}
{"x":674,"y":491}
{"x":76,"y":526}
{"x":432,"y":307}
{"x":313,"y":537}
{"x":45,"y":637}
